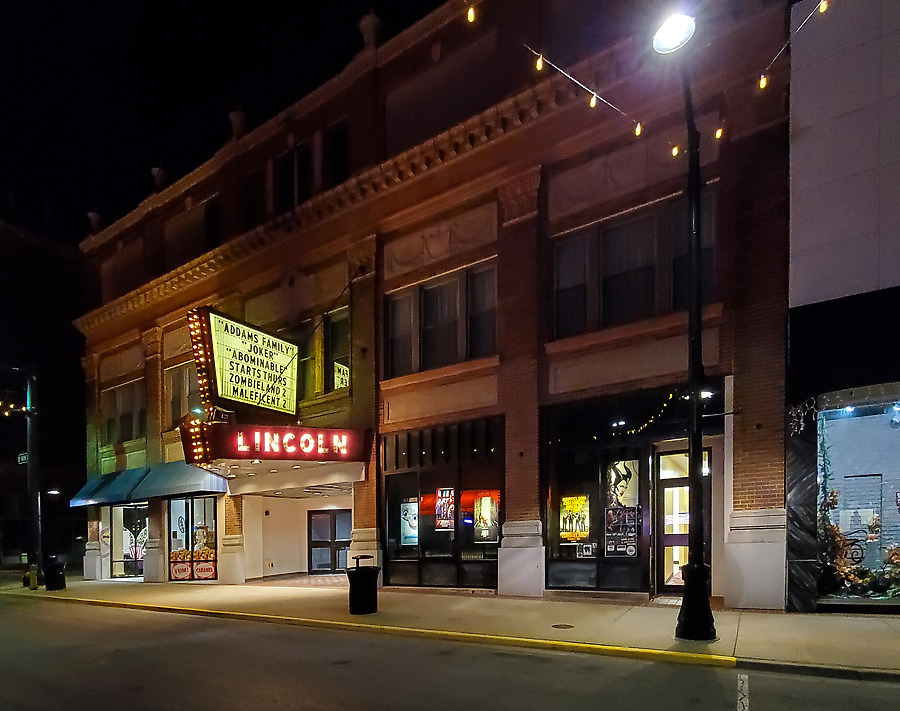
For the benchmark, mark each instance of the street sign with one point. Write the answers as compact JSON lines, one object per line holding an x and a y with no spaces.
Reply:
{"x":23,"y":458}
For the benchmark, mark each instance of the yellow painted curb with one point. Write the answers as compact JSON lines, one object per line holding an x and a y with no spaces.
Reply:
{"x":657,"y":655}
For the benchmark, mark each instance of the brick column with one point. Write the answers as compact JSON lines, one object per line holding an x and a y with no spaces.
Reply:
{"x":521,"y":555}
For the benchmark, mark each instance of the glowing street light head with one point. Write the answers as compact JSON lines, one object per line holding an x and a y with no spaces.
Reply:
{"x":674,"y":33}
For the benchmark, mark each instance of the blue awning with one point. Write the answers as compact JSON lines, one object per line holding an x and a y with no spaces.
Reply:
{"x":114,"y":488}
{"x":177,"y":479}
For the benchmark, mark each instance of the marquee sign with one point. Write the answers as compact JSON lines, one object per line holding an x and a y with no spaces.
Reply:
{"x":238,"y":363}
{"x":206,"y":442}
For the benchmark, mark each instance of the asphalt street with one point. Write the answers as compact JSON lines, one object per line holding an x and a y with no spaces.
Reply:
{"x":55,"y":655}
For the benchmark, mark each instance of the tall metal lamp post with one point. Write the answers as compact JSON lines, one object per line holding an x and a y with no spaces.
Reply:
{"x":695,"y":620}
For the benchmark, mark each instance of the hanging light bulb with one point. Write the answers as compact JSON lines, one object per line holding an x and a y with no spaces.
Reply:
{"x":593,"y":101}
{"x":470,"y":15}
{"x":675,"y":151}
{"x":763,"y":81}
{"x":638,"y":129}
{"x":539,"y":64}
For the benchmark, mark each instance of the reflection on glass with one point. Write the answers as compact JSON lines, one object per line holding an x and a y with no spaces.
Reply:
{"x":675,"y":465}
{"x":675,"y":557}
{"x":676,"y":509}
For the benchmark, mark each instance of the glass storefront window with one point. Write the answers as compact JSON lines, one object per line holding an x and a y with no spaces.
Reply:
{"x":859,"y":501}
{"x":192,"y":538}
{"x":123,"y":538}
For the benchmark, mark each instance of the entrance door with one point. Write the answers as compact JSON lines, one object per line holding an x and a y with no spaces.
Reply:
{"x":329,"y":539}
{"x":673,"y":518}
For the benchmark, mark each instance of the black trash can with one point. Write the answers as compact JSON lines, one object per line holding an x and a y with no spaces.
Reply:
{"x":363,"y":587}
{"x":54,"y":574}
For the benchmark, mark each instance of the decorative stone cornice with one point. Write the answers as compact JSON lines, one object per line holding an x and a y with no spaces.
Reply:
{"x":605,"y":70}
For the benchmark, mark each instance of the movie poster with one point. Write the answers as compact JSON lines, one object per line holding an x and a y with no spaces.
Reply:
{"x":409,"y":522}
{"x":622,"y":483}
{"x":443,"y":510}
{"x":620,"y":531}
{"x":487,"y":518}
{"x":574,"y":518}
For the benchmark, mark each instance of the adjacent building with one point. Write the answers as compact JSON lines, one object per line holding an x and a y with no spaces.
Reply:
{"x":843,"y":482}
{"x":478,"y":274}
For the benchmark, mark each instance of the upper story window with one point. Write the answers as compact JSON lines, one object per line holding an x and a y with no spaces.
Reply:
{"x":337,"y":350}
{"x":123,"y":270}
{"x":323,"y":348}
{"x":191,"y":234}
{"x":336,"y":164}
{"x":445,"y":320}
{"x":123,"y":412}
{"x":253,"y":200}
{"x":293,"y":178}
{"x":628,"y":269}
{"x":182,"y":393}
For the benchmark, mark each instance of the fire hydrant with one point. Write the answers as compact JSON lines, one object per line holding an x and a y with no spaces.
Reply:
{"x":32,"y":577}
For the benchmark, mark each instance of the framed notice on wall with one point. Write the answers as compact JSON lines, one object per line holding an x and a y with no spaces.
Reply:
{"x":620,"y":532}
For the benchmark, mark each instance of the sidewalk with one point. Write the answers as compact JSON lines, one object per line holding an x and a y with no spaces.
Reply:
{"x":858,"y":646}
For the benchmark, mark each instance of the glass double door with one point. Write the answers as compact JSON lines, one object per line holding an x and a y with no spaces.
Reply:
{"x":329,"y":539}
{"x":673,"y":517}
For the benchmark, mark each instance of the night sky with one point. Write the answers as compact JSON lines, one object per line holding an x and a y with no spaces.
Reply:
{"x":95,"y":93}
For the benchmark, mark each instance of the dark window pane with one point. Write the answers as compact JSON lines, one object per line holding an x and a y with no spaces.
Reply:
{"x":400,"y":337}
{"x":571,"y":311}
{"x":343,"y":525}
{"x":570,"y":286}
{"x":285,"y":187}
{"x":338,"y":345}
{"x":629,"y":271}
{"x":304,"y":174}
{"x":253,"y":200}
{"x":482,"y":295}
{"x":337,"y":155}
{"x":440,"y":313}
{"x":320,"y":526}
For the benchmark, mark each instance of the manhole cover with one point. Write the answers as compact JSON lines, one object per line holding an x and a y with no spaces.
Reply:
{"x":563,"y":626}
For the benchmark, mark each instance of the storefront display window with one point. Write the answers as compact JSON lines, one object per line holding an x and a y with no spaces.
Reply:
{"x":859,"y":501}
{"x":192,"y":538}
{"x":444,"y":510}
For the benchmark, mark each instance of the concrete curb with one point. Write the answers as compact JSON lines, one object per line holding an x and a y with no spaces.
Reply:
{"x":655,"y":655}
{"x":830,"y":672}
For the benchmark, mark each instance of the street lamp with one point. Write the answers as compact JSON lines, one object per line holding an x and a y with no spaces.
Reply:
{"x":695,"y":619}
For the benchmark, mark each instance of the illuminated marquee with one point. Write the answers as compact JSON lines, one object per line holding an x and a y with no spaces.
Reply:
{"x":239,"y":363}
{"x":206,"y":442}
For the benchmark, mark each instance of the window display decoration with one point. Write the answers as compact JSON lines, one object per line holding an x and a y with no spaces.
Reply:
{"x":854,"y":558}
{"x":409,"y":522}
{"x":574,"y":518}
{"x":444,"y":510}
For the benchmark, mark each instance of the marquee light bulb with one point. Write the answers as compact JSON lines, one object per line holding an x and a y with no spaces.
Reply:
{"x":470,"y":15}
{"x":719,"y":132}
{"x":593,"y":101}
{"x":638,"y":129}
{"x":539,"y":64}
{"x":675,"y":151}
{"x":763,"y":81}
{"x":823,"y":6}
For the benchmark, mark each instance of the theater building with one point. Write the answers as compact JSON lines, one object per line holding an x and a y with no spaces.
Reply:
{"x":484,"y":281}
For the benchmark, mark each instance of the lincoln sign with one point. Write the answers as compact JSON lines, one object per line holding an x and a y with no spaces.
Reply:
{"x":226,"y":441}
